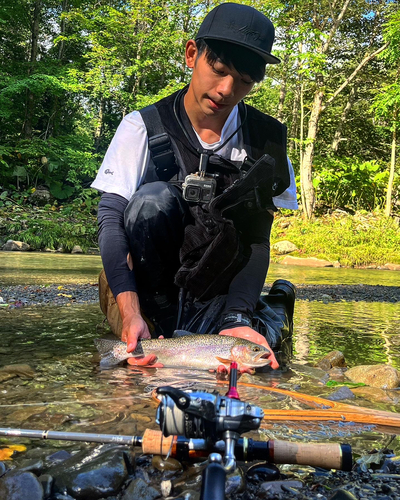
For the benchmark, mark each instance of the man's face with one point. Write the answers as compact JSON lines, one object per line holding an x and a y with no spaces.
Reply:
{"x":214,"y":89}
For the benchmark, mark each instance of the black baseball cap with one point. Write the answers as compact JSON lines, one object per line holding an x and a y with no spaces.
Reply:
{"x":242,"y":25}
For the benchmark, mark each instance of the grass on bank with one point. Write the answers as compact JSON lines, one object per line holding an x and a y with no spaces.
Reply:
{"x":361,"y":239}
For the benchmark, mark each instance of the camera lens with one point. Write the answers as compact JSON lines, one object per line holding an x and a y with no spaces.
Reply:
{"x":192,"y":193}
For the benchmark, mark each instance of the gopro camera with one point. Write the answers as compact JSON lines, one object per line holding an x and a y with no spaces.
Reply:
{"x":199,"y":188}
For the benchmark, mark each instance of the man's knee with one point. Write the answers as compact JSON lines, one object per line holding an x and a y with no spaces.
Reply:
{"x":153,"y":201}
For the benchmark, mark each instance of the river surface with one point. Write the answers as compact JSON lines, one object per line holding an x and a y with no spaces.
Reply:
{"x":70,"y":392}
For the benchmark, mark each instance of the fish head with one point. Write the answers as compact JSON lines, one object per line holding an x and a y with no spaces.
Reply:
{"x":250,"y":355}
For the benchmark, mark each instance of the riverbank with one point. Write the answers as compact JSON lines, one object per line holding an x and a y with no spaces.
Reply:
{"x":53,"y":295}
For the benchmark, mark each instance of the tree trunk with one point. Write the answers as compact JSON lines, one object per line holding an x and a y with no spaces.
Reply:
{"x":307,"y":188}
{"x":295,"y":122}
{"x":388,"y":207}
{"x":283,"y":90}
{"x":338,"y":134}
{"x":99,"y":128}
{"x":30,"y":98}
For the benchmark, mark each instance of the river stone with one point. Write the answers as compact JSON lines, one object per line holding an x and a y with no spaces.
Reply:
{"x":284,"y":247}
{"x":342,"y":495}
{"x":331,"y":360}
{"x":15,"y":246}
{"x":308,"y":262}
{"x":77,"y":249}
{"x":3,"y":468}
{"x":20,"y":485}
{"x":275,"y":487}
{"x":40,"y":197}
{"x":139,"y":489}
{"x":340,"y":394}
{"x":94,"y":474}
{"x":20,"y":370}
{"x":162,"y":464}
{"x":380,"y":376}
{"x":376,"y":395}
{"x":47,"y":484}
{"x":393,"y":267}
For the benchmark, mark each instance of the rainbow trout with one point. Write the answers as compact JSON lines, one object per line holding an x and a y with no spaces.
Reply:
{"x":201,"y":352}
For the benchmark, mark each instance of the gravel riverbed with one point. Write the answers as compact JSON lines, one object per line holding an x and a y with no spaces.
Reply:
{"x":33,"y":295}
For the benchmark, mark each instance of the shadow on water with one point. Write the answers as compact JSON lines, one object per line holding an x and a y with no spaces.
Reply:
{"x":69,"y":392}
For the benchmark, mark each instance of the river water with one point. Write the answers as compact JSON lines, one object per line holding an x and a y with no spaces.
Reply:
{"x":69,"y":392}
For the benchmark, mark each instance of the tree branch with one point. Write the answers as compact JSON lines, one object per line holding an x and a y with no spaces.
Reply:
{"x":335,"y":26}
{"x":351,"y":77}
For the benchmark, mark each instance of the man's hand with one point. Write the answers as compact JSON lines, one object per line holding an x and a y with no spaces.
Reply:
{"x":134,"y":326}
{"x":245,"y":332}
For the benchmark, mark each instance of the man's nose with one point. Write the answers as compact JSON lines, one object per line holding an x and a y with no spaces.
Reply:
{"x":226,"y":87}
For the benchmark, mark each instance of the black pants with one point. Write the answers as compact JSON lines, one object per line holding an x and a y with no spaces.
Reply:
{"x":155,"y":219}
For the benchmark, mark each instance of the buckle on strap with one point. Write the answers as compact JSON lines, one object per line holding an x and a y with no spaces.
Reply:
{"x":161,"y":151}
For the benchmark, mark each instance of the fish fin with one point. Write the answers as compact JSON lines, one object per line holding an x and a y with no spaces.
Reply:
{"x":223,"y":360}
{"x":182,"y":333}
{"x":109,"y":360}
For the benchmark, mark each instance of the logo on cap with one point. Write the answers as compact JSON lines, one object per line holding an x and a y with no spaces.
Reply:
{"x":245,"y":30}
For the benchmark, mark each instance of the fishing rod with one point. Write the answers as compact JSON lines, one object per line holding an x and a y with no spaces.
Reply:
{"x":207,"y":425}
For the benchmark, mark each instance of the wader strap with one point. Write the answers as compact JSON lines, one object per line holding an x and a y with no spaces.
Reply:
{"x":160,"y":147}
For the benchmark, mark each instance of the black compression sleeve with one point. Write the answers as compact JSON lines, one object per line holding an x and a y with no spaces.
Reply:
{"x":113,"y":242}
{"x":246,"y":287}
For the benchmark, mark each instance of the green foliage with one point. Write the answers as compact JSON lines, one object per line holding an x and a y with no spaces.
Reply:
{"x":351,"y":183}
{"x":360,"y":240}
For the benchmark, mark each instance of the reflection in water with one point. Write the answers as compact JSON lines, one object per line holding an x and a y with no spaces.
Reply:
{"x":28,"y":268}
{"x":69,"y":392}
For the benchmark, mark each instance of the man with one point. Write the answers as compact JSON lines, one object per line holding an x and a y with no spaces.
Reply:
{"x":198,"y":260}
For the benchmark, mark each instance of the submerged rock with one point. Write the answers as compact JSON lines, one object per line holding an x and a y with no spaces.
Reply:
{"x":332,"y":360}
{"x":162,"y":464}
{"x":20,"y":485}
{"x":18,"y":370}
{"x":380,"y":376}
{"x":340,"y":394}
{"x":95,"y":474}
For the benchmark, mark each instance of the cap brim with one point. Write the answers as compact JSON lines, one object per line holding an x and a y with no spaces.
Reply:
{"x":268,"y":58}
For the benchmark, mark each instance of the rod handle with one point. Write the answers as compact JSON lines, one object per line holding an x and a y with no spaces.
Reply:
{"x":154,"y":443}
{"x":326,"y":456}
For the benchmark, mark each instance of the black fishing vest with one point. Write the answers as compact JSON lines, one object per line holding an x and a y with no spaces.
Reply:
{"x":262,"y":134}
{"x":212,"y":251}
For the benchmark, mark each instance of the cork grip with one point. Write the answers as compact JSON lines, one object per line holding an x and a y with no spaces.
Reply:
{"x":327,"y":456}
{"x":154,"y":443}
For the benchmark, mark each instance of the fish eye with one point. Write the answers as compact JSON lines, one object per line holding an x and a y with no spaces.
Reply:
{"x":256,"y":349}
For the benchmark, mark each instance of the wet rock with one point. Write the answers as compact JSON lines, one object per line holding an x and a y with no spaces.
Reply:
{"x":34,"y":466}
{"x":47,"y":483}
{"x":278,"y":487}
{"x":95,"y":474}
{"x":340,"y":394}
{"x":57,"y":457}
{"x":263,"y":472}
{"x":235,"y":482}
{"x":380,"y":376}
{"x":284,"y":247}
{"x":188,"y":495}
{"x":166,"y":488}
{"x":169,"y":464}
{"x":331,"y":360}
{"x":20,"y":485}
{"x":342,"y":495}
{"x":15,"y":246}
{"x":308,"y":262}
{"x":3,"y":468}
{"x":24,"y":371}
{"x":376,"y":395}
{"x":77,"y":249}
{"x":139,"y":489}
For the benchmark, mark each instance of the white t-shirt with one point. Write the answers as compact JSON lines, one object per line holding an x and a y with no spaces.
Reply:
{"x":128,"y":157}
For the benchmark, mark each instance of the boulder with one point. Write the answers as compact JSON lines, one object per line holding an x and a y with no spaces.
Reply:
{"x":284,"y":247}
{"x":331,"y":360}
{"x":393,"y":267}
{"x":139,"y":489}
{"x":77,"y":249}
{"x":18,"y":370}
{"x":40,"y":197}
{"x":308,"y":262}
{"x":380,"y":376}
{"x":376,"y":395}
{"x":15,"y":246}
{"x":16,"y":486}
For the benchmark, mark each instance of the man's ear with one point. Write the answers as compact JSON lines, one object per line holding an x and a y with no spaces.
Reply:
{"x":191,"y":53}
